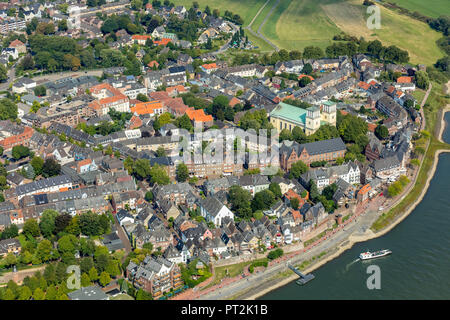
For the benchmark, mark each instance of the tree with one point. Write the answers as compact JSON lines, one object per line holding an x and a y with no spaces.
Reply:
{"x":51,"y":168}
{"x":25,"y":293}
{"x":285,"y":134}
{"x":38,"y":294}
{"x":184,"y":122}
{"x":104,"y":279}
{"x":294,"y":203}
{"x":422,"y":80}
{"x":85,"y":280}
{"x":276,"y":190}
{"x":128,"y":164}
{"x":262,"y":200}
{"x":37,"y":163}
{"x":142,"y":97}
{"x":161,"y":152}
{"x":312,"y":52}
{"x":381,"y":132}
{"x":182,"y":172}
{"x":93,"y":274}
{"x":51,"y":293}
{"x":3,"y":73}
{"x":142,"y":168}
{"x":8,"y":109}
{"x":31,"y":228}
{"x":8,"y":295}
{"x":159,"y":175}
{"x":62,"y":222}
{"x":90,"y":224}
{"x":304,"y":81}
{"x":148,"y":246}
{"x":149,"y":196}
{"x":240,"y":201}
{"x":297,"y":169}
{"x":44,"y":250}
{"x":74,"y":227}
{"x":10,"y":232}
{"x":47,"y":223}
{"x":10,"y":259}
{"x":68,"y":244}
{"x":143,"y":295}
{"x":20,"y":151}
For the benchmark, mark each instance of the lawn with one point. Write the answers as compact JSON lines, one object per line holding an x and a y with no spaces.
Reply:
{"x":296,"y":24}
{"x":259,"y":20}
{"x":431,"y":8}
{"x":400,"y":30}
{"x":247,"y":9}
{"x":262,"y":45}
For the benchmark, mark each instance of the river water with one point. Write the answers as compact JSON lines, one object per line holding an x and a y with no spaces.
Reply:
{"x":419,"y":267}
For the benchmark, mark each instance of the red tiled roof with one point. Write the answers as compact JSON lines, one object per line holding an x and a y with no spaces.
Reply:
{"x":198,"y":115}
{"x":140,"y":37}
{"x":234,"y":101}
{"x":162,"y":42}
{"x":209,"y":66}
{"x":363,"y":85}
{"x":305,"y":75}
{"x":366,"y":188}
{"x":404,"y":79}
{"x":371,"y":127}
{"x":153,"y":63}
{"x":146,"y":107}
{"x":16,"y":43}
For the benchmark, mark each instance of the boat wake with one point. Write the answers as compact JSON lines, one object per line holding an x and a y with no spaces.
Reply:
{"x":351,"y":263}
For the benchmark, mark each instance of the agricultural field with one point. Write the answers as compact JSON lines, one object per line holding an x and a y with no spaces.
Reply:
{"x":295,"y":24}
{"x":431,"y":8}
{"x":247,"y":9}
{"x":407,"y":33}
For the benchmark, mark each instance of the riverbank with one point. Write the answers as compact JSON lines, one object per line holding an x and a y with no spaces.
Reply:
{"x":273,"y":284}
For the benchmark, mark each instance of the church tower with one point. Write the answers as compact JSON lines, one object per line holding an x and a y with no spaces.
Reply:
{"x":329,"y":112}
{"x":312,"y":120}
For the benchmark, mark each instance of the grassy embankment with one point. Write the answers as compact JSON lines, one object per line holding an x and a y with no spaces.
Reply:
{"x":230,"y":271}
{"x":431,"y":8}
{"x":435,"y":102}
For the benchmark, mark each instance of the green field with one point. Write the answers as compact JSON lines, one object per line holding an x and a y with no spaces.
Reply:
{"x":431,"y":8}
{"x":262,"y":15}
{"x":295,"y":24}
{"x":247,"y":9}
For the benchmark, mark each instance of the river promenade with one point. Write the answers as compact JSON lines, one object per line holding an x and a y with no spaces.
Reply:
{"x":356,"y":229}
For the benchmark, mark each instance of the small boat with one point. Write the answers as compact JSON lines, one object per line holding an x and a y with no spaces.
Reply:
{"x":372,"y":255}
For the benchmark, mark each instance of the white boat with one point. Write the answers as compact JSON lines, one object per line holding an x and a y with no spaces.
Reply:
{"x":371,"y":255}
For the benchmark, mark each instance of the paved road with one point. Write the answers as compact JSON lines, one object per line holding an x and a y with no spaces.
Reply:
{"x":258,"y":33}
{"x":11,"y":75}
{"x":422,"y":114}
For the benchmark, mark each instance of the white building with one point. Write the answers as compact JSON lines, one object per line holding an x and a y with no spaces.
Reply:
{"x":214,"y":211}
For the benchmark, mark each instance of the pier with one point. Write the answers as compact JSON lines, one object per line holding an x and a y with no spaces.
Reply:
{"x":303,"y":278}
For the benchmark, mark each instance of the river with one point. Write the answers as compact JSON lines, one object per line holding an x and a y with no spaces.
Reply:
{"x":419,"y":267}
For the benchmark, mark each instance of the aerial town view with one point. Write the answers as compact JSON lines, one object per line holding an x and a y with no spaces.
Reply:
{"x":224,"y":150}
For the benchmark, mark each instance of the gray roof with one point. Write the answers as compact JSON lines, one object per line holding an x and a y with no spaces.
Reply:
{"x":212,"y":205}
{"x":88,"y":293}
{"x":42,"y":184}
{"x":314,"y":148}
